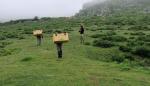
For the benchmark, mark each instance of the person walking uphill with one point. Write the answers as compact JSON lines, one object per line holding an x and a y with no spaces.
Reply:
{"x":82,"y":34}
{"x":39,"y":39}
{"x":59,"y":49}
{"x":39,"y":36}
{"x":59,"y":38}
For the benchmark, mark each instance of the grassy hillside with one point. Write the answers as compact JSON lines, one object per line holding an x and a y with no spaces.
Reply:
{"x":25,"y":64}
{"x":116,"y":52}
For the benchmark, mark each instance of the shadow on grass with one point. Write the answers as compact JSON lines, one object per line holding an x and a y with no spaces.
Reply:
{"x":26,"y":59}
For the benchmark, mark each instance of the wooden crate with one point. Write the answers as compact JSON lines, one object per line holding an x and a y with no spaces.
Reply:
{"x":60,"y":38}
{"x":37,"y":32}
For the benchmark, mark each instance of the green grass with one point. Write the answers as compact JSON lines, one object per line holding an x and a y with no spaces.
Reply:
{"x":38,"y":66}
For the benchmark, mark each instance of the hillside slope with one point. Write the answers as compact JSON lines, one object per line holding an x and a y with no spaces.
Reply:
{"x":30,"y":65}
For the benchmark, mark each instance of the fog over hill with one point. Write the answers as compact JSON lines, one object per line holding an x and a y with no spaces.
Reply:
{"x":108,"y":7}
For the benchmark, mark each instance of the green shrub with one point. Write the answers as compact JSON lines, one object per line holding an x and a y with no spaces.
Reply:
{"x":2,"y":37}
{"x":142,"y":51}
{"x":125,"y":48}
{"x":129,"y":57}
{"x":67,"y":30}
{"x":26,"y":59}
{"x":11,"y":35}
{"x":28,"y":31}
{"x":119,"y":58}
{"x":109,"y":27}
{"x":139,"y":27}
{"x":132,"y":43}
{"x":4,"y":52}
{"x":126,"y":33}
{"x":145,"y":62}
{"x":140,"y":43}
{"x":87,"y":43}
{"x":115,"y":38}
{"x":93,"y":29}
{"x":103,"y":43}
{"x":21,"y":37}
{"x":147,"y":35}
{"x":1,"y":45}
{"x":49,"y":31}
{"x":148,"y":44}
{"x":138,"y":33}
{"x":110,"y":33}
{"x":132,"y":37}
{"x":97,"y":35}
{"x":4,"y":44}
{"x":144,"y":38}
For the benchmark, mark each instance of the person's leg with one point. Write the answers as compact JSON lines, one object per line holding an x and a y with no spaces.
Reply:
{"x":82,"y":39}
{"x":38,"y":41}
{"x":59,"y":50}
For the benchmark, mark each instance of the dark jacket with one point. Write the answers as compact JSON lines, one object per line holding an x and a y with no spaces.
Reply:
{"x":81,"y":30}
{"x":39,"y":36}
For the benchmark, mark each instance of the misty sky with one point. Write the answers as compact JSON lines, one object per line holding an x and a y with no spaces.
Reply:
{"x":18,"y":9}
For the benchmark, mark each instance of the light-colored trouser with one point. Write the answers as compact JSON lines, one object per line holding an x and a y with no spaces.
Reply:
{"x":82,"y":38}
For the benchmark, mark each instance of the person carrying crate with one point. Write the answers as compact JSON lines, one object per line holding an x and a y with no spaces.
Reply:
{"x":39,"y":36}
{"x":59,"y":38}
{"x":39,"y":40}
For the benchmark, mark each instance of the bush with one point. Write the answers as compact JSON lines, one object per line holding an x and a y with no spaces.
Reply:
{"x":144,"y":38}
{"x":132,"y":43}
{"x":48,"y":31}
{"x":129,"y":57}
{"x":26,"y":59}
{"x":139,"y":27}
{"x":126,"y":33}
{"x":148,"y":44}
{"x":1,"y":45}
{"x":4,"y":44}
{"x":11,"y":35}
{"x":118,"y":58}
{"x":115,"y":38}
{"x":145,"y":62}
{"x":132,"y":37}
{"x":21,"y":37}
{"x":140,"y":43}
{"x":125,"y":49}
{"x":110,"y":33}
{"x":142,"y":51}
{"x":67,"y":30}
{"x":93,"y":29}
{"x":4,"y":52}
{"x":87,"y":43}
{"x":97,"y":35}
{"x":2,"y":37}
{"x":28,"y":31}
{"x":103,"y":43}
{"x":138,"y":33}
{"x":109,"y":27}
